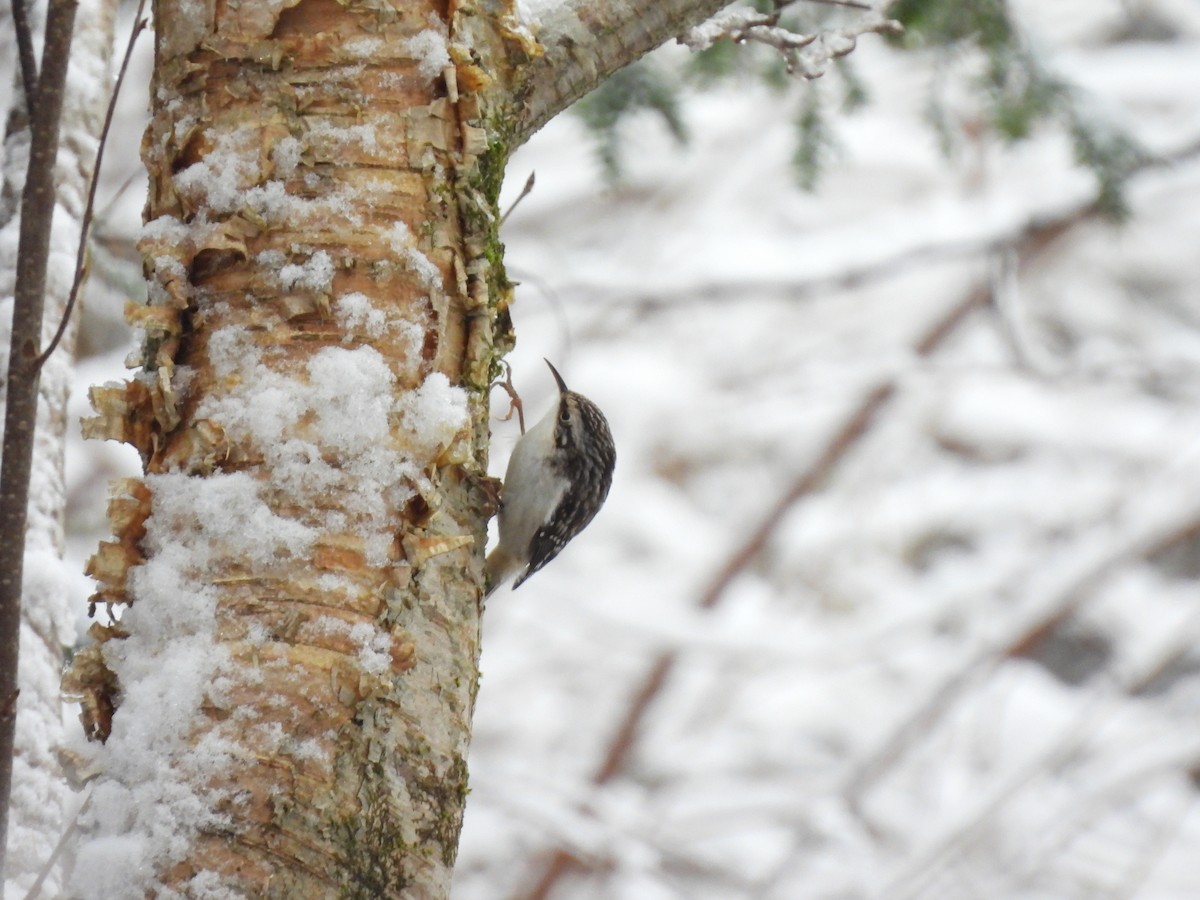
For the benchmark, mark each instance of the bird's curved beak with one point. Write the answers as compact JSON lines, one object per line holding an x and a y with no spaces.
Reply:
{"x":562,"y":385}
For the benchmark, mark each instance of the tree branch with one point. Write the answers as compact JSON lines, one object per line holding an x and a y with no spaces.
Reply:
{"x":806,"y":55}
{"x":29,"y":75}
{"x":20,"y":414}
{"x":583,"y":42}
{"x":85,"y":228}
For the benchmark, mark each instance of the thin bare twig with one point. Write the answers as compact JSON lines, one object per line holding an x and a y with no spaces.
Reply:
{"x":104,"y":213}
{"x":35,"y":890}
{"x":29,"y":75}
{"x":807,"y":55}
{"x":20,"y":413}
{"x":851,"y":4}
{"x":139,"y":24}
{"x":521,"y":196}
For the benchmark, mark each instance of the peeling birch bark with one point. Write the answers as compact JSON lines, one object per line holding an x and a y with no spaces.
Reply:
{"x":312,"y":415}
{"x":285,"y":703}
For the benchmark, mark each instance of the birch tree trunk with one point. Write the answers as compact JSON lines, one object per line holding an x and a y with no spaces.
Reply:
{"x":294,"y":676}
{"x":40,"y":797}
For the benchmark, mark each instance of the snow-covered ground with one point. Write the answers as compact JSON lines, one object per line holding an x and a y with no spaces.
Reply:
{"x":959,"y":666}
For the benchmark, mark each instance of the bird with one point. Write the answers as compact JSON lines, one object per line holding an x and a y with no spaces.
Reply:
{"x":557,"y":479}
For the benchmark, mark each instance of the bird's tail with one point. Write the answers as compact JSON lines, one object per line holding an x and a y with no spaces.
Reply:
{"x":501,"y":566}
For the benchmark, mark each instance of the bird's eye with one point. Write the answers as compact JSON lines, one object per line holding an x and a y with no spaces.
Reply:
{"x":564,"y":416}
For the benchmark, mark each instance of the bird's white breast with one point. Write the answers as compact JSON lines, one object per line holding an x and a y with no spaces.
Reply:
{"x":532,"y":488}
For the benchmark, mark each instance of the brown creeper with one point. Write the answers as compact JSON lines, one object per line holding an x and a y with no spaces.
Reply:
{"x":557,"y":479}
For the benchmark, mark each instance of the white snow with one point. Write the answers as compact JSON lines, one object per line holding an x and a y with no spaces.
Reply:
{"x":355,"y":312}
{"x":434,"y":414}
{"x":404,"y":245}
{"x":229,"y":178}
{"x":429,"y":50}
{"x":143,"y":813}
{"x":728,"y":324}
{"x":286,"y":155}
{"x":350,"y":394}
{"x":221,"y":177}
{"x":333,"y":135}
{"x":314,"y":274}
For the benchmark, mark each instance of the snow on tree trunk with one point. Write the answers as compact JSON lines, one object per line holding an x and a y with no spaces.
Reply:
{"x":294,"y":674}
{"x":40,"y":796}
{"x":286,"y":699}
